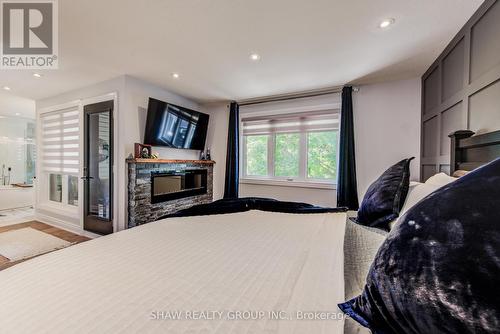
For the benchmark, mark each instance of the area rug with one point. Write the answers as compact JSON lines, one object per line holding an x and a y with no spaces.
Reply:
{"x":28,"y":242}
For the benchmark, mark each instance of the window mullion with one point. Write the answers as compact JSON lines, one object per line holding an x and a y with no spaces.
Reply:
{"x":271,"y":145}
{"x":303,"y":156}
{"x":244,"y":157}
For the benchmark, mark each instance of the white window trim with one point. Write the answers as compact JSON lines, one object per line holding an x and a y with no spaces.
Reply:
{"x":301,"y":181}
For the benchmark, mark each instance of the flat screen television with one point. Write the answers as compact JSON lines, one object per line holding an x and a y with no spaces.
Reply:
{"x":174,"y":126}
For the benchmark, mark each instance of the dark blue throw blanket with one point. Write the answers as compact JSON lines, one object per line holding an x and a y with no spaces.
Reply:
{"x":439,"y":269}
{"x":224,"y":206}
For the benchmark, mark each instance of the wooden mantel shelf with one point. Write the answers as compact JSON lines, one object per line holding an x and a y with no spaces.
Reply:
{"x":169,"y":161}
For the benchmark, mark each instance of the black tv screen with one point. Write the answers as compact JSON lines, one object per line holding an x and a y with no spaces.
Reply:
{"x":173,"y":126}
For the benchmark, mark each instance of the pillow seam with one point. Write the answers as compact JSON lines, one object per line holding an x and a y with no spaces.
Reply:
{"x":397,"y":199}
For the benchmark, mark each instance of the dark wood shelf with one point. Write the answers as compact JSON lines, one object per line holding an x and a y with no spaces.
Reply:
{"x":169,"y":161}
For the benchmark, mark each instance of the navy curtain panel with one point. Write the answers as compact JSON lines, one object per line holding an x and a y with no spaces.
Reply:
{"x":347,"y":192}
{"x":232,"y":156}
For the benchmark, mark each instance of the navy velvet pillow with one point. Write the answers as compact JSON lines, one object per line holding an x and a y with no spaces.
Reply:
{"x":385,"y":197}
{"x":439,"y":269}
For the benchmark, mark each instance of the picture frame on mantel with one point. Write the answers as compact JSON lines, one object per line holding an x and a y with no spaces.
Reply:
{"x":142,"y":151}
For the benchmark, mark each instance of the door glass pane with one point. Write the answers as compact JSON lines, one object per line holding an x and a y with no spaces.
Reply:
{"x":256,"y":155}
{"x":322,"y":155}
{"x":287,"y":154}
{"x":55,"y":187}
{"x":99,"y":164}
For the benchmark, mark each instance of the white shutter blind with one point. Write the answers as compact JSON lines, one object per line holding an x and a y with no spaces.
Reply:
{"x":313,"y":121}
{"x":60,"y":141}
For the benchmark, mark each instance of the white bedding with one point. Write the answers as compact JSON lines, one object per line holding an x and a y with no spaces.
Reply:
{"x":250,"y":261}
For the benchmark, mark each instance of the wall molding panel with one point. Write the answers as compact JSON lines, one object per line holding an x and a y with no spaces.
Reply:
{"x":461,"y":89}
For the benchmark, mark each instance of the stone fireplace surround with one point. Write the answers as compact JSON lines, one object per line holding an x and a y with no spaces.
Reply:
{"x":140,"y":209}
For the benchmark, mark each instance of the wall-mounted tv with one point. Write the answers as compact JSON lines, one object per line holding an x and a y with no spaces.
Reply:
{"x":174,"y":126}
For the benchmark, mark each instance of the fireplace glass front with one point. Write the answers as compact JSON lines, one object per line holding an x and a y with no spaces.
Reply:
{"x":179,"y":184}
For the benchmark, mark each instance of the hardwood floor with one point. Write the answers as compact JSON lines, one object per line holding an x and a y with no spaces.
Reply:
{"x":56,"y":232}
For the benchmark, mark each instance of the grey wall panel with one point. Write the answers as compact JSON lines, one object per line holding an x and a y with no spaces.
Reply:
{"x":451,"y":121}
{"x":430,"y":130}
{"x":453,"y":71}
{"x":428,"y":171}
{"x":484,"y":109}
{"x":450,"y":100}
{"x":485,"y":43}
{"x":431,"y":91}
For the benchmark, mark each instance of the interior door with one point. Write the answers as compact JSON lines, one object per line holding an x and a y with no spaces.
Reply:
{"x":98,"y":168}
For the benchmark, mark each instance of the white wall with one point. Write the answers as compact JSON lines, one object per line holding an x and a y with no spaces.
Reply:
{"x":321,"y":197}
{"x":217,"y":142}
{"x":387,"y":128}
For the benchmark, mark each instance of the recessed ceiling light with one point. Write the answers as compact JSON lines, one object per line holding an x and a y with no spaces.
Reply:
{"x":386,"y":23}
{"x":6,"y":88}
{"x":175,"y":75}
{"x":37,"y":75}
{"x":254,"y":57}
{"x":18,"y":114}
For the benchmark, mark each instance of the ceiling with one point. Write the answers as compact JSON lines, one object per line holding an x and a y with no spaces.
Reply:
{"x":16,"y":106}
{"x":304,"y":45}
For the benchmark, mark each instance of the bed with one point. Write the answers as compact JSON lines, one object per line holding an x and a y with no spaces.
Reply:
{"x":245,"y":265}
{"x":252,"y":271}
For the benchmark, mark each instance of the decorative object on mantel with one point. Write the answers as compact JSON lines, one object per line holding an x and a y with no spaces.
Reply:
{"x":155,"y":155}
{"x":142,"y":151}
{"x":202,"y":155}
{"x":207,"y":155}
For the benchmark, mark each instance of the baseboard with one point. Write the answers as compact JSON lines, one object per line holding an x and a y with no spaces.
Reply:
{"x":64,"y":225}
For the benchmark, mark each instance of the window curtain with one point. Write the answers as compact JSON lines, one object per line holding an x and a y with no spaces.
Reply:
{"x":232,"y":156}
{"x":347,"y":193}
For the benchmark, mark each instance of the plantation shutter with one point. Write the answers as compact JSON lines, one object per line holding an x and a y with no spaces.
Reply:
{"x":60,"y":141}
{"x":303,"y":122}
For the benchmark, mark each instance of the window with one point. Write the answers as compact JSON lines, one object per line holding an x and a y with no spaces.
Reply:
{"x":256,"y":146}
{"x":293,"y":148}
{"x":322,"y":155}
{"x":287,"y":154}
{"x":72,"y":190}
{"x":55,"y":187}
{"x":60,"y":155}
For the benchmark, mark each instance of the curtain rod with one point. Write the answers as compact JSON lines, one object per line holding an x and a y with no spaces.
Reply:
{"x":292,"y":96}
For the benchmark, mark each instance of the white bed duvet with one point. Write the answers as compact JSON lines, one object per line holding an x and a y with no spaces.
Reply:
{"x":209,"y":272}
